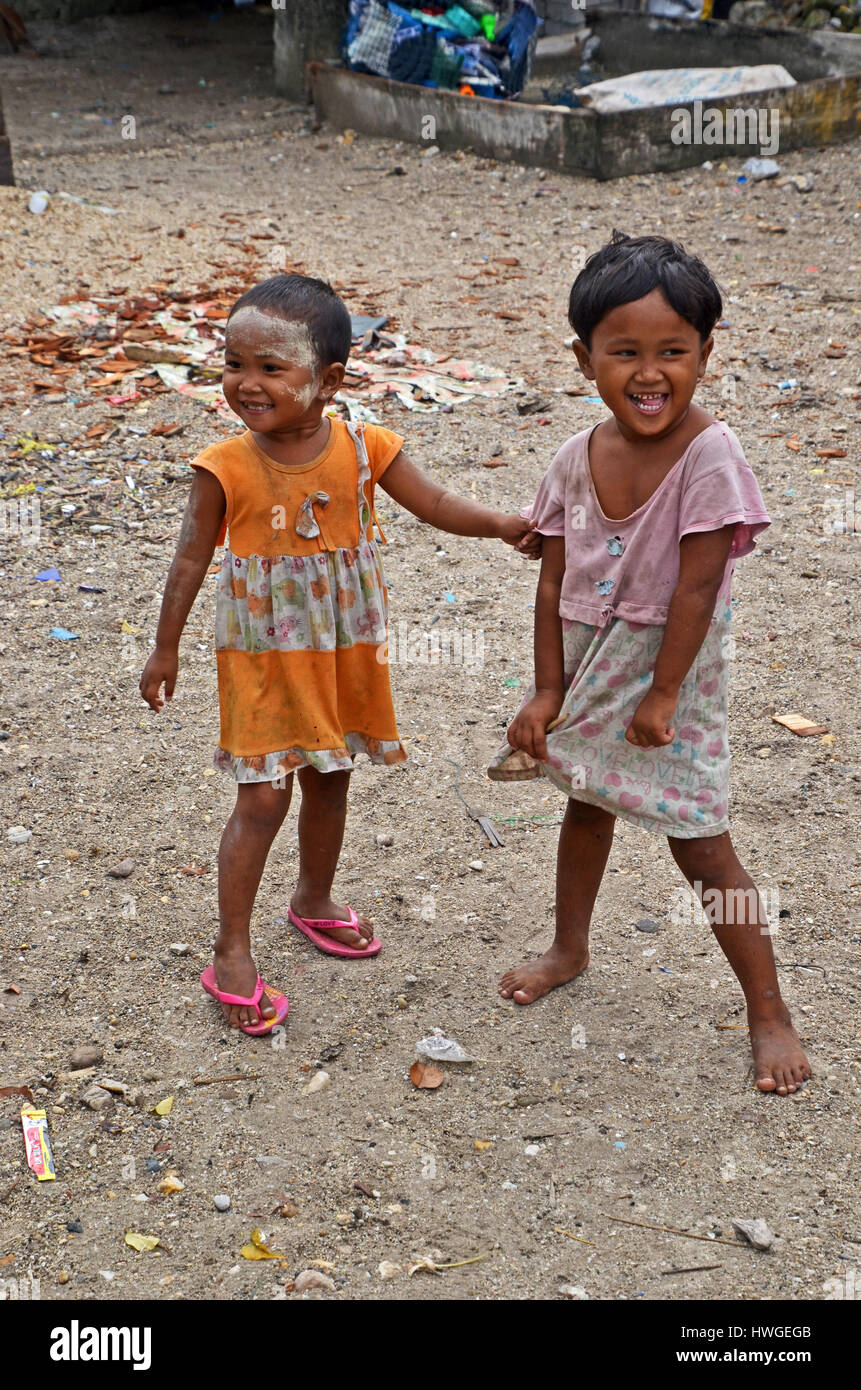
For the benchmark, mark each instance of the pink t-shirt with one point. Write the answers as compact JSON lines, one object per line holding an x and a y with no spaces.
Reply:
{"x":629,"y":569}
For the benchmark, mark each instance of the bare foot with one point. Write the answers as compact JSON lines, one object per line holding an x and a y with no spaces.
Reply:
{"x":779,"y":1061}
{"x":532,"y":979}
{"x":236,"y":973}
{"x":332,"y":912}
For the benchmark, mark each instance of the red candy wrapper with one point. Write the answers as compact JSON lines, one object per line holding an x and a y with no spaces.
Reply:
{"x":39,"y":1156}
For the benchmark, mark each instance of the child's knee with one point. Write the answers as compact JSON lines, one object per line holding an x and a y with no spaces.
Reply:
{"x":263,"y":802}
{"x":702,"y":858}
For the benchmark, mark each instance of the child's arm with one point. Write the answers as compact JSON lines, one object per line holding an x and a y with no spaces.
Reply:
{"x":528,"y":729}
{"x":702,"y":561}
{"x":412,"y":489}
{"x":201,"y":523}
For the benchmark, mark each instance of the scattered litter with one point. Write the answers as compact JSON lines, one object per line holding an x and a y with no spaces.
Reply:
{"x":164,"y":1107}
{"x":761,"y":168}
{"x":170,"y":1184}
{"x":256,"y":1249}
{"x":179,"y":948}
{"x":800,"y":725}
{"x":19,"y":834}
{"x":387,"y":1270}
{"x":574,"y":1291}
{"x":38,"y":202}
{"x":63,"y":634}
{"x":425,"y":1076}
{"x":140,"y":1243}
{"x":439,"y":1048}
{"x":756,"y":1233}
{"x":482,"y":1145}
{"x":45,"y":575}
{"x":39,"y":1157}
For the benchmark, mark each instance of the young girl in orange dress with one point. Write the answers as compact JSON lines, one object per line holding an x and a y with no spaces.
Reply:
{"x":301,"y":615}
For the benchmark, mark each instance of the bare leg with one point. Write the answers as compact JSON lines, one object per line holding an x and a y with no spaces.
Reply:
{"x":739,"y":923}
{"x":584,"y":847}
{"x":322,"y":817}
{"x":257,"y":817}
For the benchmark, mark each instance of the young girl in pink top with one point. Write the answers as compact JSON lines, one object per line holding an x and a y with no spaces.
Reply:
{"x":643,"y":518}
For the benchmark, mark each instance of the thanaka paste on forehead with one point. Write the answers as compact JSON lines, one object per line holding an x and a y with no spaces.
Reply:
{"x":287,"y":338}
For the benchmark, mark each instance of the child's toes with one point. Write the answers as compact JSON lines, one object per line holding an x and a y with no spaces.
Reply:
{"x":765,"y":1081}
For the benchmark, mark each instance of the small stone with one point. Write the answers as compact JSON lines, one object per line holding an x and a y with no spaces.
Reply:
{"x":89,"y":1055}
{"x":97,"y":1099}
{"x":387,"y":1270}
{"x":385,"y":839}
{"x":430,"y":151}
{"x":123,"y":869}
{"x":179,"y":948}
{"x":477,"y":865}
{"x":756,"y":1233}
{"x":313,"y":1279}
{"x":62,"y":1277}
{"x":532,"y":1149}
{"x":646,"y":924}
{"x":763,"y":752}
{"x":221,"y":1201}
{"x":153,"y":1165}
{"x":74,"y":1228}
{"x":411,"y":980}
{"x":319,"y":1081}
{"x":401,"y":1001}
{"x":575,"y":1291}
{"x":117,"y":1088}
{"x":169,"y":1184}
{"x":18,"y":834}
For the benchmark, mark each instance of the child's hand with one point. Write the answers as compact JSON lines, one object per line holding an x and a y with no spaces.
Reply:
{"x":530,"y":545}
{"x":159,"y":671}
{"x":650,"y":726}
{"x":528,"y":729}
{"x":515,"y":530}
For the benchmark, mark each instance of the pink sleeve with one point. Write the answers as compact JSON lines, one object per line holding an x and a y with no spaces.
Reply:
{"x":548,"y":509}
{"x":719,"y":490}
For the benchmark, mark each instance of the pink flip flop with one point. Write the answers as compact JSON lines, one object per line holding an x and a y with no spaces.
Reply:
{"x":315,"y":927}
{"x":256,"y":1030}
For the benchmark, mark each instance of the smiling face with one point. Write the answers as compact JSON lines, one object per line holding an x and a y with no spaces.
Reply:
{"x":646,"y":361}
{"x":272,"y":379}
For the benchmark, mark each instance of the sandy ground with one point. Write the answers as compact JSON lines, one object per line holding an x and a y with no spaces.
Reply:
{"x":626,"y":1094}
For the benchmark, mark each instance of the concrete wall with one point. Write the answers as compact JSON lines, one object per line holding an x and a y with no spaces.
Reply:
{"x":305,"y":30}
{"x":70,"y":10}
{"x":638,"y":42}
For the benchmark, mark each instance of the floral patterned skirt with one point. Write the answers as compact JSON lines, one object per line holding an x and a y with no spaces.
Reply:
{"x":680,"y":790}
{"x":303,"y":677}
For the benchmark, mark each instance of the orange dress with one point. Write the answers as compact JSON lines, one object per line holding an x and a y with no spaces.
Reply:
{"x":302,"y":608}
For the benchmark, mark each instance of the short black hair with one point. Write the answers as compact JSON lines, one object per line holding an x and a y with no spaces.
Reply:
{"x":628,"y":268}
{"x":305,"y":300}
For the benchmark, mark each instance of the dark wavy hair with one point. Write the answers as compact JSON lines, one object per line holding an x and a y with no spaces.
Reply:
{"x":627,"y":268}
{"x":306,"y":300}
